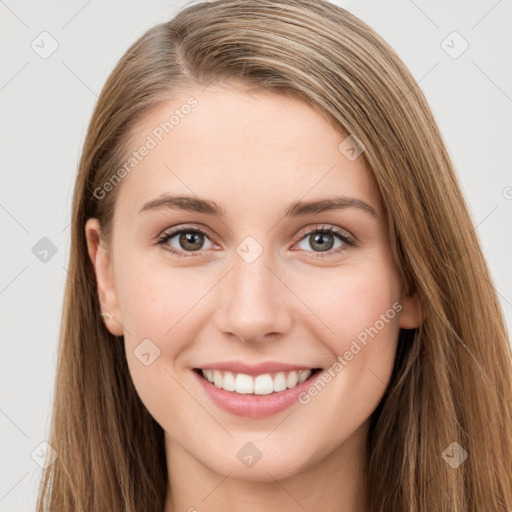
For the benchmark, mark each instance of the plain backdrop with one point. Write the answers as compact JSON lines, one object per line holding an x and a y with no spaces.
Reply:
{"x":45,"y":105}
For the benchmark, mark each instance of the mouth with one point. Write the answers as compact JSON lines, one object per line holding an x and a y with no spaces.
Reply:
{"x":264,"y":384}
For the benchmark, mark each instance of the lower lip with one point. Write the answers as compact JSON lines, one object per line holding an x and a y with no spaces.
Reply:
{"x":254,"y":406}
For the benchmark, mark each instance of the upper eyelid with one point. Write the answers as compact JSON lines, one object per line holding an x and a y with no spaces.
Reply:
{"x":171,"y":232}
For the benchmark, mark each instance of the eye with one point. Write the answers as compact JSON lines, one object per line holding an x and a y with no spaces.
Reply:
{"x":189,"y":240}
{"x":322,"y":239}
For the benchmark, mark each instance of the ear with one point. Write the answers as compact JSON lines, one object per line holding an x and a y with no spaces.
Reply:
{"x":101,"y":261}
{"x":410,"y":315}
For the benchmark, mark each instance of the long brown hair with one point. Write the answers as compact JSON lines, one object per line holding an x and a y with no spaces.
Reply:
{"x":452,"y":379}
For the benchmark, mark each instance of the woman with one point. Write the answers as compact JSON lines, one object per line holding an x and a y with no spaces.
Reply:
{"x":276,"y":297}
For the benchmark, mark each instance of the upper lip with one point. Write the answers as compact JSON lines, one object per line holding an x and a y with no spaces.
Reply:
{"x":255,"y":369}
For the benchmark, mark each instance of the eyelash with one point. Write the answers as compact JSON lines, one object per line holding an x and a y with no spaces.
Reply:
{"x":345,"y":238}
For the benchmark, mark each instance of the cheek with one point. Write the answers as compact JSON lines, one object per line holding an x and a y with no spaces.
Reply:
{"x":352,"y":303}
{"x":359,"y":324}
{"x":155,"y":307}
{"x":160,"y":309}
{"x":155,"y":300}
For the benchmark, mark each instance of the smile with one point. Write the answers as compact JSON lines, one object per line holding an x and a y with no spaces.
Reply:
{"x":264,"y":384}
{"x":255,"y":396}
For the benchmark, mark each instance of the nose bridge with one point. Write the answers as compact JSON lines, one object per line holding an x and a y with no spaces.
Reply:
{"x":253,"y":302}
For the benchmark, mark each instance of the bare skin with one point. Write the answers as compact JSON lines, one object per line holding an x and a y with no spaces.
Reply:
{"x":254,"y":155}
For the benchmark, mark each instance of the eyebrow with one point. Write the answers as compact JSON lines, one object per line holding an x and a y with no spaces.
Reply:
{"x":296,"y":209}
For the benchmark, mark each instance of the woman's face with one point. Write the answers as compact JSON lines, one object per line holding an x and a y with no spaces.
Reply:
{"x":241,"y":279}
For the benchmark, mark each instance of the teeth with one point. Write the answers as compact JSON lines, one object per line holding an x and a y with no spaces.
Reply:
{"x":260,"y":385}
{"x":292,"y":380}
{"x":303,"y":376}
{"x":228,"y":383}
{"x":280,"y":382}
{"x":217,"y":378}
{"x":244,"y":384}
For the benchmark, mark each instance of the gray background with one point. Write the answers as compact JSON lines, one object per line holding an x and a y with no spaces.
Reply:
{"x":46,"y":104}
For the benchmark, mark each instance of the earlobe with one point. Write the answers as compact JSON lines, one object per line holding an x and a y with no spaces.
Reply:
{"x":410,"y":315}
{"x":101,"y":262}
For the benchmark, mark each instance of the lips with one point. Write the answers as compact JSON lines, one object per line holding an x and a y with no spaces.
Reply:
{"x":247,"y":403}
{"x":255,"y":390}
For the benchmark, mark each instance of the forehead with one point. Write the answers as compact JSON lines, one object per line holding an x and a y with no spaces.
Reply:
{"x":241,"y":148}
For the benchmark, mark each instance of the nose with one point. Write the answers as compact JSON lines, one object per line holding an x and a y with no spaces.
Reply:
{"x":255,"y":302}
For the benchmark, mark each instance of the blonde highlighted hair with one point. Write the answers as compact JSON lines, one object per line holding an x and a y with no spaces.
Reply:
{"x":452,"y":378}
